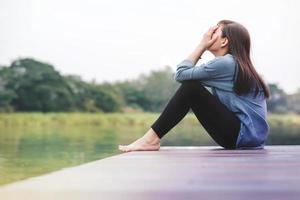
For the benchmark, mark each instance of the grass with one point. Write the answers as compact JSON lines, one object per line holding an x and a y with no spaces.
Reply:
{"x":284,"y":129}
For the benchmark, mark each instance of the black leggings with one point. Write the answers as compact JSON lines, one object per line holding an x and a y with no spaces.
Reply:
{"x":220,"y":123}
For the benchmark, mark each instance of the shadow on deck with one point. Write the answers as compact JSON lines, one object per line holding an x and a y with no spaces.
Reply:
{"x":209,"y":172}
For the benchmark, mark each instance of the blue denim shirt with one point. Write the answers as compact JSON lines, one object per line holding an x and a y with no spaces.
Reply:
{"x":219,"y":74}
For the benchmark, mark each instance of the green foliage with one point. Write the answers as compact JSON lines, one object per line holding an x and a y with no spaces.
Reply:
{"x":30,"y":85}
{"x":91,"y":97}
{"x":6,"y":96}
{"x":278,"y":101}
{"x":149,"y":92}
{"x":38,"y":87}
{"x":107,"y":100}
{"x":284,"y":129}
{"x":293,"y":102}
{"x":132,"y":94}
{"x":158,"y":87}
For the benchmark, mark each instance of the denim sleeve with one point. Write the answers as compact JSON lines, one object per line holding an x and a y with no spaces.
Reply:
{"x":217,"y":68}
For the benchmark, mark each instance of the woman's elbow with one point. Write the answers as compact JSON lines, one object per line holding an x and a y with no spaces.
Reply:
{"x":178,"y":78}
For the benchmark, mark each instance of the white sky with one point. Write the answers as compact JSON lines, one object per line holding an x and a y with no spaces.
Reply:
{"x":120,"y":39}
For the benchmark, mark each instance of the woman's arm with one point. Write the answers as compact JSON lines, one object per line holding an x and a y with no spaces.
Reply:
{"x":196,"y":54}
{"x":205,"y":43}
{"x":218,"y":68}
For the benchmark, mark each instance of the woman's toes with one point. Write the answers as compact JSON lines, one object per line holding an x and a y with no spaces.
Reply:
{"x":139,"y":145}
{"x":124,"y":148}
{"x":121,"y":147}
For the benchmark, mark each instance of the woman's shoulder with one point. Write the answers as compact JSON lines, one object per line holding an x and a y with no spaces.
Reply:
{"x":226,"y":60}
{"x":224,"y":64}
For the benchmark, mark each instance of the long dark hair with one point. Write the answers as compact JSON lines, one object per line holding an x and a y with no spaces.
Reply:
{"x":239,"y":47}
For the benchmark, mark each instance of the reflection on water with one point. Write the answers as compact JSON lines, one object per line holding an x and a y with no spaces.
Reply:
{"x":31,"y":151}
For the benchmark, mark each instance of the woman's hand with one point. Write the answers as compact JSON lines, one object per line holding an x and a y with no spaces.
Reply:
{"x":208,"y":38}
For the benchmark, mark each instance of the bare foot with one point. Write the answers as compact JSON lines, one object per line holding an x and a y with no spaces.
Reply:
{"x":149,"y":142}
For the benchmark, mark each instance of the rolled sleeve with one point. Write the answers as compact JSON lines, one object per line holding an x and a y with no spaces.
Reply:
{"x":186,"y":70}
{"x":214,"y":69}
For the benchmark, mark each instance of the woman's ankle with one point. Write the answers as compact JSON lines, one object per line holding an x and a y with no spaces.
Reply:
{"x":151,"y":137}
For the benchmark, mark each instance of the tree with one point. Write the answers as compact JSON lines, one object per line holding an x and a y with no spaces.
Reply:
{"x":133,"y":96}
{"x":158,"y":87}
{"x":38,"y":87}
{"x":293,"y":102}
{"x":6,"y":95}
{"x":30,"y":85}
{"x":92,"y":97}
{"x":278,"y":101}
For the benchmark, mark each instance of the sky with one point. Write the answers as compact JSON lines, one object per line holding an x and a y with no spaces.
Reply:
{"x":110,"y":40}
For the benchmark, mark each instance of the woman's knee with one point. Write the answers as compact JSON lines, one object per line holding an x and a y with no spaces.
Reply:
{"x":192,"y":85}
{"x":190,"y":82}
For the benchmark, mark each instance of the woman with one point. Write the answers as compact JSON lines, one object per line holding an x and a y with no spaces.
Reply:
{"x":234,"y":112}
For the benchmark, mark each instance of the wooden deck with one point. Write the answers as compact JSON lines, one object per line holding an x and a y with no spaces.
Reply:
{"x":172,"y":173}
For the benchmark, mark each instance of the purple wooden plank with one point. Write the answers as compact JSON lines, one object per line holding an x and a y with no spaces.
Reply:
{"x":173,"y":173}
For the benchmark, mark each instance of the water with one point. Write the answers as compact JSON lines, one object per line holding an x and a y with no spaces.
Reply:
{"x":34,"y":150}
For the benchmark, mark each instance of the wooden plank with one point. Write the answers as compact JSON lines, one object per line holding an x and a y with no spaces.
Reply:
{"x":209,"y":172}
